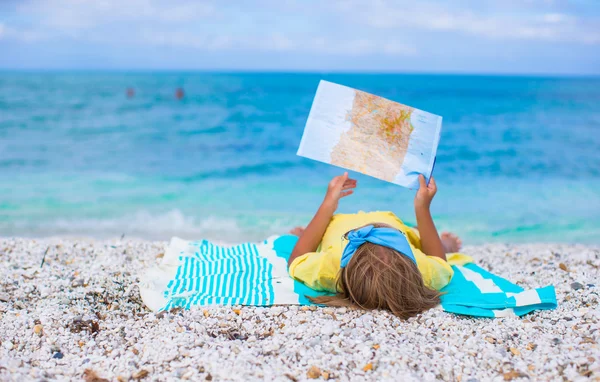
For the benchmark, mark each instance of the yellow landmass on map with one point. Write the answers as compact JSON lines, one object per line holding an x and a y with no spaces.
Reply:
{"x":377,"y":141}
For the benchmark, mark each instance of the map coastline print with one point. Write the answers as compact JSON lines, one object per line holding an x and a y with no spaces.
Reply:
{"x":369,"y":134}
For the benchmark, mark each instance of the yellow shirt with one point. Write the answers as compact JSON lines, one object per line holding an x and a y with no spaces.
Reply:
{"x":319,"y":270}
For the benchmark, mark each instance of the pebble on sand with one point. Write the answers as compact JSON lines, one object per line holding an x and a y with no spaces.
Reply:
{"x":576,"y":286}
{"x":84,"y":304}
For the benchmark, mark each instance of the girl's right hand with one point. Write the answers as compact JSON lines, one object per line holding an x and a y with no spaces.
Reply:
{"x":339,"y":187}
{"x":425,"y":193}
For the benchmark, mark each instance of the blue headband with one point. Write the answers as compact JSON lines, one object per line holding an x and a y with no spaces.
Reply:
{"x":387,"y":237}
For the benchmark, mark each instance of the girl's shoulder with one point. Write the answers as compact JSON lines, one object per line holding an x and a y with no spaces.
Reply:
{"x":363,"y":218}
{"x":369,"y":216}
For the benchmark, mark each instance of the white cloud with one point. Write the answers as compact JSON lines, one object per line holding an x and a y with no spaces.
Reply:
{"x":358,"y":47}
{"x":8,"y":33}
{"x":554,"y":27}
{"x":398,"y":49}
{"x":161,"y":24}
{"x":342,"y":27}
{"x":184,"y":39}
{"x":277,"y":42}
{"x":68,"y":15}
{"x":555,"y":18}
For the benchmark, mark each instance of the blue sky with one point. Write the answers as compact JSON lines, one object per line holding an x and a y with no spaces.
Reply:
{"x":479,"y":36}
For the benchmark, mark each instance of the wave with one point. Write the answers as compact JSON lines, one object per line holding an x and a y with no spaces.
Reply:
{"x":151,"y":226}
{"x":255,"y":227}
{"x":208,"y":131}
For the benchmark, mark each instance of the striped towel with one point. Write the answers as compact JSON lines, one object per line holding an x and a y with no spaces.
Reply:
{"x":474,"y":291}
{"x":199,"y":273}
{"x":202,"y":273}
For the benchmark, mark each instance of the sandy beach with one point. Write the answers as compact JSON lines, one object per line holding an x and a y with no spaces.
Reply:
{"x":79,"y":315}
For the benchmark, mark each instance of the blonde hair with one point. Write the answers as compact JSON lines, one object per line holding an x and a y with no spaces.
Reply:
{"x":379,"y":277}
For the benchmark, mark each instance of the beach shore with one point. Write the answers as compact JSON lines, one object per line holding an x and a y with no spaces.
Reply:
{"x":71,"y":309}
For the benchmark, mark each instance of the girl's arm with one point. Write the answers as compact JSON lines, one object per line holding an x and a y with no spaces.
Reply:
{"x":430,"y":240}
{"x":339,"y":187}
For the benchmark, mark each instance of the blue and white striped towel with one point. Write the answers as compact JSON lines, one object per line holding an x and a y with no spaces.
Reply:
{"x":474,"y":291}
{"x":199,"y":273}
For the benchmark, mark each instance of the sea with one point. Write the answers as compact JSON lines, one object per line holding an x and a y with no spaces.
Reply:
{"x":518,"y":159}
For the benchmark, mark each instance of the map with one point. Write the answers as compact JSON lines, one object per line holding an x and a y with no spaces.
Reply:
{"x":372,"y":135}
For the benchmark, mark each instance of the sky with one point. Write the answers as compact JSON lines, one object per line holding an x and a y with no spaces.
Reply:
{"x":461,"y":36}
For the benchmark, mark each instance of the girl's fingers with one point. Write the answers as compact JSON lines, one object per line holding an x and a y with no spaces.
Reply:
{"x":342,"y":182}
{"x":346,"y":193}
{"x":341,"y":178}
{"x":346,"y":186}
{"x":422,"y":183}
{"x":432,"y":182}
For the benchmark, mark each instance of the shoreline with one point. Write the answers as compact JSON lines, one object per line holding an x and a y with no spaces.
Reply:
{"x":123,"y":238}
{"x":82,"y":311}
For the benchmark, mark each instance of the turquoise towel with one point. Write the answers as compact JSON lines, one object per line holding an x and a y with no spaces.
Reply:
{"x":474,"y":291}
{"x":200,"y":273}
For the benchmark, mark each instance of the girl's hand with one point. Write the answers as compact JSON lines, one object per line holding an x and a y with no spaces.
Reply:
{"x":339,"y":187}
{"x":309,"y":240}
{"x":430,"y":240}
{"x":425,"y":193}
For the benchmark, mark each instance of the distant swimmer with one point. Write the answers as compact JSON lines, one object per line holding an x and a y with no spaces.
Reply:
{"x":179,"y":94}
{"x":130,"y":93}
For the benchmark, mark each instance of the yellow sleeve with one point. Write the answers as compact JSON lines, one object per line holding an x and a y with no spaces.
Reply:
{"x":458,"y":259}
{"x":316,"y":270}
{"x":436,"y":272}
{"x":413,"y":237}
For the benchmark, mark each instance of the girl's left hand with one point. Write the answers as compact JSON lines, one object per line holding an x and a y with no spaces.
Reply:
{"x":339,"y":187}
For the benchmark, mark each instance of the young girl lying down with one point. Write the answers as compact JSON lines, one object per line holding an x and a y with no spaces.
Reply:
{"x":373,"y":260}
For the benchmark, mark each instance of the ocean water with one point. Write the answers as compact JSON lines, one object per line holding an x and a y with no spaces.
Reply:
{"x":518,"y":161}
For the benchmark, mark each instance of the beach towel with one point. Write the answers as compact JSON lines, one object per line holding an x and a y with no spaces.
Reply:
{"x":201,"y":273}
{"x":473,"y":291}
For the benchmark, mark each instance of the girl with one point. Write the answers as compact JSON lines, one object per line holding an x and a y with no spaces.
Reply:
{"x":373,"y":260}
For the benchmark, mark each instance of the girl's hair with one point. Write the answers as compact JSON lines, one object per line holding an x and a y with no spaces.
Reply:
{"x":378,"y":277}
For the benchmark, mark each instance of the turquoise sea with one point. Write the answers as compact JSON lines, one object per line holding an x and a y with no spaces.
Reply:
{"x":518,"y":161}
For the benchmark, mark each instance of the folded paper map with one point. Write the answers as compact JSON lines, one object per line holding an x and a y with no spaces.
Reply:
{"x":372,"y":135}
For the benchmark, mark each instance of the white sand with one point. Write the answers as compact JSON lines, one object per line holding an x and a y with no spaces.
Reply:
{"x":87,"y":307}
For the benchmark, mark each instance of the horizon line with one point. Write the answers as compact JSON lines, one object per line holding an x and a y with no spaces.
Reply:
{"x":301,"y":71}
